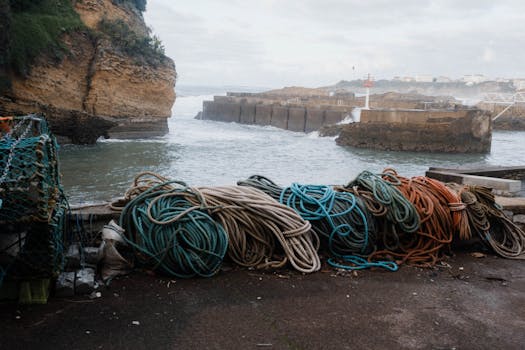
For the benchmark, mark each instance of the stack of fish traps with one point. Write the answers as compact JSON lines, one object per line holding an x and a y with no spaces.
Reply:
{"x":32,"y":205}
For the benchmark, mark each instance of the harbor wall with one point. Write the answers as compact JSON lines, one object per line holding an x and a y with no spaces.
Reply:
{"x":463,"y":131}
{"x":289,"y":117}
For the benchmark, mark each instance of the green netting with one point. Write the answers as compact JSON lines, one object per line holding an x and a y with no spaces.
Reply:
{"x":29,"y":179}
{"x":33,"y":209}
{"x":34,"y":250}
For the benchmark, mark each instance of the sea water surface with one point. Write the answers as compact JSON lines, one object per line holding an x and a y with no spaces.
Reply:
{"x":203,"y":152}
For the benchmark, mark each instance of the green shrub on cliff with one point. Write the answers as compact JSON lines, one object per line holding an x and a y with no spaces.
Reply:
{"x":139,"y":4}
{"x":140,"y":47}
{"x":5,"y":28}
{"x":36,"y":28}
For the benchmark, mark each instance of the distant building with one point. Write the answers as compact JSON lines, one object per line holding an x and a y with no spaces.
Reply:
{"x":443,"y":79}
{"x":474,"y":78}
{"x":424,"y":78}
{"x":404,"y":79}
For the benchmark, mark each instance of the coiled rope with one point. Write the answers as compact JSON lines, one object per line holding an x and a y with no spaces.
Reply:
{"x":438,"y":223}
{"x":376,"y":218}
{"x":253,"y":221}
{"x":400,"y":212}
{"x":341,"y":219}
{"x":171,"y":234}
{"x":488,"y":221}
{"x":170,"y":225}
{"x":141,"y":183}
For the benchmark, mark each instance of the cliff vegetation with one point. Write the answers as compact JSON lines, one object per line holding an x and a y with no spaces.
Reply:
{"x":35,"y":28}
{"x":146,"y":48}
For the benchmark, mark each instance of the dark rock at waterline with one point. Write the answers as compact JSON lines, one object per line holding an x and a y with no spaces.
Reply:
{"x":330,"y":130}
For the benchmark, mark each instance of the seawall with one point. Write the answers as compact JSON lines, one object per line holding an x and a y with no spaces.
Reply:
{"x":284,"y":116}
{"x":461,"y":131}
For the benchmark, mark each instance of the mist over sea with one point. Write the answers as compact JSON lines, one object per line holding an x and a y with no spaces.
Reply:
{"x":202,"y":152}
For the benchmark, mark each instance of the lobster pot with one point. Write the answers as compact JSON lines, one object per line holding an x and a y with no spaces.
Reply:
{"x":35,"y":250}
{"x":30,"y":187}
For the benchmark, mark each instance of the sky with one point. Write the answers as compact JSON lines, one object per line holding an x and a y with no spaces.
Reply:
{"x":275,"y":43}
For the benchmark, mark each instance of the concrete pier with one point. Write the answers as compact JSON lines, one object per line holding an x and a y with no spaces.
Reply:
{"x":449,"y":131}
{"x":301,"y":114}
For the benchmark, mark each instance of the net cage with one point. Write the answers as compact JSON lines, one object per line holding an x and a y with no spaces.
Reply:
{"x":35,"y":250}
{"x":29,"y":182}
{"x":33,"y":208}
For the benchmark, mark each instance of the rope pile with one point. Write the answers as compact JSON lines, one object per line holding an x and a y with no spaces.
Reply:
{"x":438,"y":222}
{"x":376,"y":220}
{"x":32,"y":205}
{"x":487,"y":220}
{"x":401,"y":215}
{"x":170,"y":234}
{"x":340,"y":219}
{"x":184,"y":231}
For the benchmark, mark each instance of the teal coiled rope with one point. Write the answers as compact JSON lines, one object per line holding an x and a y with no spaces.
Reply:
{"x":401,"y":212}
{"x":171,"y":234}
{"x":349,"y":238}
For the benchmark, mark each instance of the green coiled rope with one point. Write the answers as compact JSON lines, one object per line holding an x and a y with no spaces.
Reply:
{"x":401,"y":212}
{"x":171,"y":234}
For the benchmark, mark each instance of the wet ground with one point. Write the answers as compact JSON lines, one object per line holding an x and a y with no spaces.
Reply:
{"x":469,"y":303}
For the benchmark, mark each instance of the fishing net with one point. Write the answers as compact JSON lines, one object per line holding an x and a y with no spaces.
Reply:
{"x":29,"y":179}
{"x":33,"y":209}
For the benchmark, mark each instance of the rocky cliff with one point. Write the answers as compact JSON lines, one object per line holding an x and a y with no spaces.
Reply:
{"x":104,"y":85}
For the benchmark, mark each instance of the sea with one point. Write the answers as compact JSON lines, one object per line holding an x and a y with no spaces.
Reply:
{"x":203,"y":152}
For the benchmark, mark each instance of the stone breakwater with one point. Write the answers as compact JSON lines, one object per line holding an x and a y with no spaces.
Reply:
{"x":437,"y":128}
{"x":305,"y":110}
{"x":290,"y":116}
{"x":462,"y":131}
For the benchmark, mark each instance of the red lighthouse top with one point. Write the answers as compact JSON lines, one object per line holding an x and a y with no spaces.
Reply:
{"x":368,"y":83}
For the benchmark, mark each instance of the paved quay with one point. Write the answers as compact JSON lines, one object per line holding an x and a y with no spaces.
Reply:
{"x":468,"y":303}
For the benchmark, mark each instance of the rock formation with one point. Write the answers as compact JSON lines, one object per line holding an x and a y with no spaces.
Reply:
{"x":97,"y":89}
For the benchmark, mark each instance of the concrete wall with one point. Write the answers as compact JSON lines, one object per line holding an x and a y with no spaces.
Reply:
{"x":263,"y":114}
{"x":413,"y":116}
{"x":465,"y":132}
{"x":333,"y":117}
{"x":291,"y":117}
{"x":223,"y":112}
{"x":247,"y":113}
{"x":279,"y":117}
{"x":314,"y":119}
{"x":296,"y":119}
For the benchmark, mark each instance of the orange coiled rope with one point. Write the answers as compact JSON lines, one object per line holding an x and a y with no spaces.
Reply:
{"x":441,"y":217}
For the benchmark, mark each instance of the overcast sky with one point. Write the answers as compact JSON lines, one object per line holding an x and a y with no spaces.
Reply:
{"x":274,"y":43}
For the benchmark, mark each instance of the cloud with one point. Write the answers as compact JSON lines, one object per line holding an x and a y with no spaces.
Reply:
{"x":488,"y":55}
{"x":314,"y":42}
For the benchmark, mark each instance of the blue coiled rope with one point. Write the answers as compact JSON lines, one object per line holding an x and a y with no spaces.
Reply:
{"x":349,"y":237}
{"x":342,"y":219}
{"x":171,"y":234}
